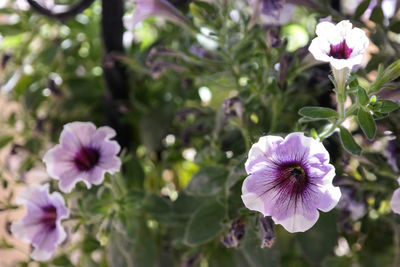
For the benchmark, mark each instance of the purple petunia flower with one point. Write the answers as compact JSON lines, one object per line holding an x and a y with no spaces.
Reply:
{"x":289,"y":180}
{"x":84,"y":154}
{"x":148,"y":8}
{"x":41,"y":226}
{"x":271,"y":12}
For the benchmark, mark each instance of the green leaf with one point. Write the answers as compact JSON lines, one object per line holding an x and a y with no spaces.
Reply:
{"x":90,"y":244}
{"x":4,"y":244}
{"x":367,"y":123}
{"x":134,"y":173}
{"x":62,"y":261}
{"x":237,"y":173}
{"x":385,"y":106}
{"x":323,"y":232}
{"x":379,"y":248}
{"x":208,"y":181}
{"x":377,"y":15}
{"x":395,"y":27}
{"x":206,"y":223}
{"x":352,"y":81}
{"x":5,"y":140}
{"x":157,"y":206}
{"x":318,"y":112}
{"x":250,"y":252}
{"x":362,"y":96}
{"x":337,"y":262}
{"x":140,"y":252}
{"x":221,"y":256}
{"x":348,"y":142}
{"x":361,"y":9}
{"x":11,"y":29}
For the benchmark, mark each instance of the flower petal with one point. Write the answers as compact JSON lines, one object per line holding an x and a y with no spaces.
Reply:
{"x":299,"y":222}
{"x":58,"y":162}
{"x":96,"y":176}
{"x":46,"y":243}
{"x":36,"y":195}
{"x":259,"y":150}
{"x":395,"y":201}
{"x":83,"y":131}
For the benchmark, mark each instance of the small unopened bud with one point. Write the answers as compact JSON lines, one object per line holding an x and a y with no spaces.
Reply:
{"x":267,"y":226}
{"x":392,"y":72}
{"x":236,"y":232}
{"x":273,"y":37}
{"x":389,"y":74}
{"x":52,"y":85}
{"x":192,"y":261}
{"x":4,"y":60}
{"x":233,"y":107}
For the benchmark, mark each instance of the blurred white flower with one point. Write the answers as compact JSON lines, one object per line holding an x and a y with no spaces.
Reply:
{"x":388,"y":8}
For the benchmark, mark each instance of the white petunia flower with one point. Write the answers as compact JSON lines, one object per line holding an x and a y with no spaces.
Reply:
{"x":341,"y":45}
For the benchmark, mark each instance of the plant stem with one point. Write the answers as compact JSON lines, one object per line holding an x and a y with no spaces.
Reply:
{"x":340,"y":79}
{"x":329,"y":132}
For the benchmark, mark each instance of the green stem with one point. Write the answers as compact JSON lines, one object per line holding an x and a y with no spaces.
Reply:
{"x":340,"y":84}
{"x":329,"y":132}
{"x":275,"y":113}
{"x":246,"y":137}
{"x":346,"y":113}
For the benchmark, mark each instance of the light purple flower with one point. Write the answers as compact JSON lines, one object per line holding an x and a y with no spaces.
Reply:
{"x":148,"y":8}
{"x":271,"y":12}
{"x":41,"y":225}
{"x":84,"y":154}
{"x":341,"y":45}
{"x":395,"y":201}
{"x":289,"y":180}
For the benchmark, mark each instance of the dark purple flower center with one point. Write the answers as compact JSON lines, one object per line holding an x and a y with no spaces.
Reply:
{"x":340,"y":51}
{"x":49,"y":216}
{"x":86,"y":158}
{"x":292,"y":178}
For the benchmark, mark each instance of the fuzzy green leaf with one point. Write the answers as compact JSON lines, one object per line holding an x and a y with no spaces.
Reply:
{"x":318,"y":112}
{"x":5,"y":140}
{"x":367,"y":123}
{"x":361,"y":9}
{"x":205,"y":223}
{"x":385,"y":106}
{"x":348,"y":142}
{"x":362,"y":96}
